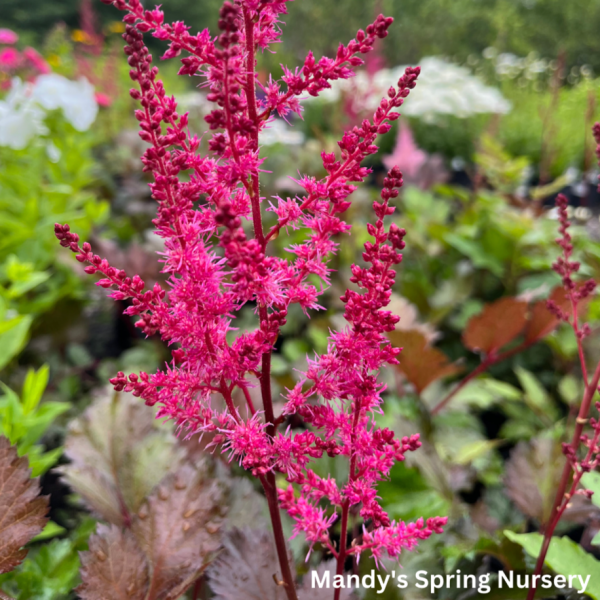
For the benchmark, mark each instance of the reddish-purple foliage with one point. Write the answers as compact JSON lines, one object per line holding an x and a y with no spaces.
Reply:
{"x":216,"y":266}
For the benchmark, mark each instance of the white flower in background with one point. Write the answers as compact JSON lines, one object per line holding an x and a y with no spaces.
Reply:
{"x":510,"y":66}
{"x":443,"y":88}
{"x":21,"y":119}
{"x":23,"y":110}
{"x":75,"y":98}
{"x":277,"y":132}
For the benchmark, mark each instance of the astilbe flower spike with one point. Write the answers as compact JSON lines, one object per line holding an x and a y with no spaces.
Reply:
{"x":582,"y":453}
{"x":215,"y":267}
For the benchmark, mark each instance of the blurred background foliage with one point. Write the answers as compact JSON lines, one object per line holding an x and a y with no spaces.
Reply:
{"x":508,"y":95}
{"x":454,"y":28}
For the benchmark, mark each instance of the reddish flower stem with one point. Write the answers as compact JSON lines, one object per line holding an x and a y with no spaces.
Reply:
{"x":268,"y":480}
{"x":248,"y":398}
{"x":341,"y":557}
{"x":480,"y":369}
{"x":250,"y":88}
{"x":489,"y":361}
{"x":270,"y":487}
{"x":557,"y":508}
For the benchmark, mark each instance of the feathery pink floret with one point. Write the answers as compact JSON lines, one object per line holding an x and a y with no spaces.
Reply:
{"x":215,"y":267}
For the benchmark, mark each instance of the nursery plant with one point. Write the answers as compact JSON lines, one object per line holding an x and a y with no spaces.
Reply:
{"x":216,"y":257}
{"x":323,"y":451}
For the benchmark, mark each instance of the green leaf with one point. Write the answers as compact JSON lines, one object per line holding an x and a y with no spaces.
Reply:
{"x":536,"y":396}
{"x":591,"y":481}
{"x":278,"y":365}
{"x":34,"y":387}
{"x":13,"y":337}
{"x":50,"y":574}
{"x":295,"y":350}
{"x":570,"y":389}
{"x":51,"y":530}
{"x":40,"y":461}
{"x":476,"y":253}
{"x":484,"y":392}
{"x":565,"y":557}
{"x":474,"y":450}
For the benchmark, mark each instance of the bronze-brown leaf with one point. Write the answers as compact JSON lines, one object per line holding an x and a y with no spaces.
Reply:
{"x":532,"y":476}
{"x":114,"y":568}
{"x":179,"y":529}
{"x":421,"y":363}
{"x":118,"y":454}
{"x":22,"y":509}
{"x":247,"y":568}
{"x":498,"y":324}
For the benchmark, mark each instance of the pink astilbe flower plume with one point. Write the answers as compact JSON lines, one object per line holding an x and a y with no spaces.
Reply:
{"x":215,"y":267}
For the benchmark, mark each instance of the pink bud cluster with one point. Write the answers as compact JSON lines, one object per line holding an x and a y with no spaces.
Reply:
{"x":566,"y":268}
{"x":577,"y":293}
{"x":210,"y":218}
{"x":591,"y":460}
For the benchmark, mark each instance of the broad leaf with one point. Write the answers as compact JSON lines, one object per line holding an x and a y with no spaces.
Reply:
{"x":565,"y":557}
{"x":179,"y":529}
{"x":22,"y":509}
{"x":114,"y":567}
{"x":118,"y":454}
{"x":484,"y":392}
{"x":247,"y":508}
{"x":536,"y":397}
{"x":173,"y":537}
{"x":498,"y":324}
{"x":532,"y":476}
{"x":419,"y":362}
{"x":247,"y":568}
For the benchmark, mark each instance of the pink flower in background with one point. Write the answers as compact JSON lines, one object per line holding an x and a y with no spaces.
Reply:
{"x":407,"y":156}
{"x":103,"y":99}
{"x":9,"y":59}
{"x":36,"y":60}
{"x":8,"y":36}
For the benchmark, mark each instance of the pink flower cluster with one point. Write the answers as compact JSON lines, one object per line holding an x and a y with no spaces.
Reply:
{"x":210,"y":218}
{"x":29,"y":61}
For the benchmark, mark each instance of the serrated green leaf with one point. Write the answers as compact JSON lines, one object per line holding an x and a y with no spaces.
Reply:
{"x":564,"y":556}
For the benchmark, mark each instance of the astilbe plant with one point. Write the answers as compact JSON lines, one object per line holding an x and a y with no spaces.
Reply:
{"x":583,"y":451}
{"x":207,"y":207}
